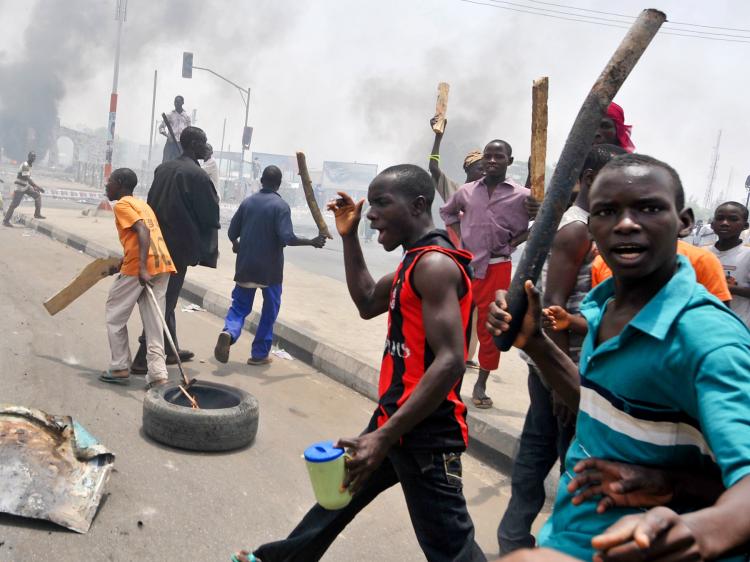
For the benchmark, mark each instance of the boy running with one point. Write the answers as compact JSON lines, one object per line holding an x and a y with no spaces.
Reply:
{"x":418,"y":431}
{"x":146,"y":261}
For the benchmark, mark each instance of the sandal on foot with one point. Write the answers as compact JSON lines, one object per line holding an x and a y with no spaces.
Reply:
{"x":110,"y":378}
{"x":483,"y":403}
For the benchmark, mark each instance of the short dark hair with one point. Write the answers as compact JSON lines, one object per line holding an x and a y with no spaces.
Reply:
{"x":271,"y":176}
{"x":190,"y":134}
{"x":126,"y":178}
{"x":600,"y":155}
{"x":412,"y":181}
{"x":179,"y":96}
{"x":740,"y":206}
{"x":506,"y":144}
{"x":643,"y":160}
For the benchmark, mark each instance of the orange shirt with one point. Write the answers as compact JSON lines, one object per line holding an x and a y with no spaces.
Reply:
{"x":708,"y":270}
{"x":129,"y":211}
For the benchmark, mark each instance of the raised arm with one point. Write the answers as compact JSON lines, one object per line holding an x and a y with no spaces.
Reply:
{"x":434,"y":163}
{"x":370,"y":298}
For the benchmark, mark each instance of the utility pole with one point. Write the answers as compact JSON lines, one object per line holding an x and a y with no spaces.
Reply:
{"x":120,"y":16}
{"x":151,"y":124}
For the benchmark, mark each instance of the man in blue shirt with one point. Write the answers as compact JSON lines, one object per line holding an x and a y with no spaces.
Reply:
{"x":664,"y":379}
{"x":259,"y":230}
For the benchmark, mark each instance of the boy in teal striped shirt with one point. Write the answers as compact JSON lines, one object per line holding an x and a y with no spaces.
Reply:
{"x":664,"y":381}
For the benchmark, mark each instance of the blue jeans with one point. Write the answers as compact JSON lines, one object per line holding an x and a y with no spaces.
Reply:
{"x":242,"y":305}
{"x":432,"y":487}
{"x":544,"y":439}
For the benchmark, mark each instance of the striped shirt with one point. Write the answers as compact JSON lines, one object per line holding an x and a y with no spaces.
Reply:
{"x":672,"y":390}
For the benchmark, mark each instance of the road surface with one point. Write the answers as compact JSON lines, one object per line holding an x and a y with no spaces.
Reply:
{"x":192,"y":506}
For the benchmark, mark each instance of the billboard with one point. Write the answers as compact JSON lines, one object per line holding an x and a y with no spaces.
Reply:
{"x":347,"y":176}
{"x":287,"y":164}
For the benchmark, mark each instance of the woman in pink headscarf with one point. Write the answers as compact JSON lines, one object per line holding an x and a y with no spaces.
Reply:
{"x":613,"y":130}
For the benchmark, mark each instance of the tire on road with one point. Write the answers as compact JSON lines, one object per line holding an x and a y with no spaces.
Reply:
{"x":230,"y":424}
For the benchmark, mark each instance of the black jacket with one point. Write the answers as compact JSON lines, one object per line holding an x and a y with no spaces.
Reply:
{"x":186,"y":204}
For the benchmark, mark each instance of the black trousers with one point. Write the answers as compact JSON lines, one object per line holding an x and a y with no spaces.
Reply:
{"x":176,"y":280}
{"x":18,"y":197}
{"x":544,"y":439}
{"x":433,"y":490}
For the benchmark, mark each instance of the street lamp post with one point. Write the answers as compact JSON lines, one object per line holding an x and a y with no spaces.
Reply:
{"x":187,"y":72}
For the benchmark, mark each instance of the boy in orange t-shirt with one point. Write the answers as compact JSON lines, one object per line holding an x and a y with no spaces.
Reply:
{"x":146,"y":261}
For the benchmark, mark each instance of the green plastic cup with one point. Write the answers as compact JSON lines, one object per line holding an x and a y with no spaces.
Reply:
{"x":326,"y":466}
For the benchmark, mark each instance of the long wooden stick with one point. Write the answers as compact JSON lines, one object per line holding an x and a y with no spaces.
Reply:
{"x":441,"y":107}
{"x":539,"y":93}
{"x":568,"y":168}
{"x":310,"y":196}
{"x":87,"y":278}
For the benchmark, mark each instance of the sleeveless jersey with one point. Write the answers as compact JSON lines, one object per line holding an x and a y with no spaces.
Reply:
{"x":407,"y":353}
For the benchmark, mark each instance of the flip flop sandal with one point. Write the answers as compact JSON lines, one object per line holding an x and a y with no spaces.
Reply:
{"x":251,"y":557}
{"x":110,"y":378}
{"x":484,"y":403}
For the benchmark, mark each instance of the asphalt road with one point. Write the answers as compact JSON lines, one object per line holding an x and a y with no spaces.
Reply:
{"x":192,"y":506}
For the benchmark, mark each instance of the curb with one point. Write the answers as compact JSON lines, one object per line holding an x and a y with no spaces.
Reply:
{"x":494,"y":442}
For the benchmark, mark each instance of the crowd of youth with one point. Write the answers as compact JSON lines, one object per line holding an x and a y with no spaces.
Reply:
{"x":636,"y":341}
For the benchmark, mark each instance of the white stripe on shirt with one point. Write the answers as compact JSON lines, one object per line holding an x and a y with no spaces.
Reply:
{"x":662,"y":433}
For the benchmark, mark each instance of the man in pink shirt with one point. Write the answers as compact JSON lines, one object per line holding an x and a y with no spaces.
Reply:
{"x":491,"y":218}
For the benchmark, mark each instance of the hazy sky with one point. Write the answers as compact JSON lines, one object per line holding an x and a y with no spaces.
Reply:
{"x":356,"y":80}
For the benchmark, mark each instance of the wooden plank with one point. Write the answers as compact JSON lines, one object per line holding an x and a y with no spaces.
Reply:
{"x":89,"y":276}
{"x":539,"y":94}
{"x":310,"y":196}
{"x":441,"y":107}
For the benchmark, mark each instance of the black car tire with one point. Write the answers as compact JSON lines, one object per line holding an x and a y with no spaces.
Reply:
{"x":205,"y":429}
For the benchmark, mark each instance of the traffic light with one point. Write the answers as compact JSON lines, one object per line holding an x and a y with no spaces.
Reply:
{"x":187,"y":65}
{"x":247,"y":135}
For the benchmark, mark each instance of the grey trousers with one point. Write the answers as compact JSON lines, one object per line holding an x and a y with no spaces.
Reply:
{"x":125,"y":293}
{"x":18,"y":197}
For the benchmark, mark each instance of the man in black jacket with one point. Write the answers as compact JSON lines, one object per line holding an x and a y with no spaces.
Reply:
{"x":187,"y":207}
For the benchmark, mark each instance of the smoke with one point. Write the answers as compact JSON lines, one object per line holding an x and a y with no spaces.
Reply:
{"x":54,"y":46}
{"x":65,"y":43}
{"x":396,"y":109}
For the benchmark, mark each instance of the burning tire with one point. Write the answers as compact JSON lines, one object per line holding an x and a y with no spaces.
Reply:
{"x":227,"y":418}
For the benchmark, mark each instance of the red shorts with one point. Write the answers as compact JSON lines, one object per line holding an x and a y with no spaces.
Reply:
{"x":497,"y":277}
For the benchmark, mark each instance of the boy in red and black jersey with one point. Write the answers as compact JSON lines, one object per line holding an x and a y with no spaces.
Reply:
{"x":418,"y":431}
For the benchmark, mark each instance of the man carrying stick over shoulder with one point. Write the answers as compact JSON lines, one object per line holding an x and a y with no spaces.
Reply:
{"x":418,"y":431}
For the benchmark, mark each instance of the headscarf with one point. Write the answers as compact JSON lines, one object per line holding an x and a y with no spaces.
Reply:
{"x":617,"y":115}
{"x":472,"y":157}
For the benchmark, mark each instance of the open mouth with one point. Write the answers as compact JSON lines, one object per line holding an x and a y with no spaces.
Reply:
{"x":628,"y":251}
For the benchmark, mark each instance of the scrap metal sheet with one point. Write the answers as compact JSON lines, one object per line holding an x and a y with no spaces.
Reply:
{"x":50,"y":468}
